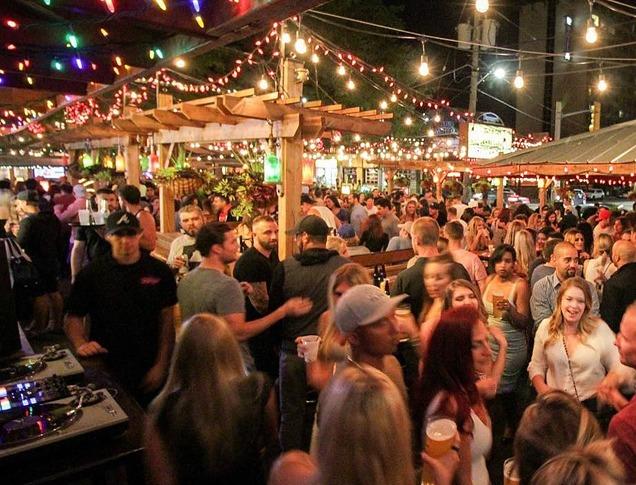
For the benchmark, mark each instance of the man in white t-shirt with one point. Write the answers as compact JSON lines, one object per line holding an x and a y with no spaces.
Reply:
{"x":308,"y":207}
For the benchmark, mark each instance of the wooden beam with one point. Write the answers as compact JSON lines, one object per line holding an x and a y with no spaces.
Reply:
{"x":312,"y":127}
{"x":330,"y":107}
{"x":295,"y":100}
{"x":347,"y":111}
{"x":364,"y":114}
{"x":312,"y":104}
{"x":133,"y":170}
{"x":206,"y":115}
{"x":245,"y":130}
{"x":170,"y":118}
{"x":147,"y":123}
{"x":381,"y":116}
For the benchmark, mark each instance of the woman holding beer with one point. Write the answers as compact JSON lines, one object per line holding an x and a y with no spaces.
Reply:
{"x":448,"y":391}
{"x":506,"y":299}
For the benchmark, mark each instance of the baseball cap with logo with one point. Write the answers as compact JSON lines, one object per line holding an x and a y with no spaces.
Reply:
{"x":122,"y":223}
{"x":363,"y":305}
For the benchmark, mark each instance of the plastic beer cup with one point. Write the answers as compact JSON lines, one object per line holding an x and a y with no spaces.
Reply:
{"x":440,"y":436}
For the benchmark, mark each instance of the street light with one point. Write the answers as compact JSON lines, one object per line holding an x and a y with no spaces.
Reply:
{"x":482,"y":6}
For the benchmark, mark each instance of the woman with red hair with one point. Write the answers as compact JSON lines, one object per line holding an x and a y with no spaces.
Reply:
{"x":448,"y":388}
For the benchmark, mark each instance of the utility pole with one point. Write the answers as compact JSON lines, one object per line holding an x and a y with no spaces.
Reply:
{"x":595,"y":109}
{"x":474,"y":67}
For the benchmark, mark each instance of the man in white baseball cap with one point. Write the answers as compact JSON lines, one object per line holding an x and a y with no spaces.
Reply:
{"x":366,"y":316}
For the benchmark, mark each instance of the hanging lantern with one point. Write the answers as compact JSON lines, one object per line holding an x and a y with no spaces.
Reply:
{"x":87,"y":160}
{"x":108,"y":162}
{"x":154,"y":162}
{"x":308,"y":171}
{"x":120,"y":163}
{"x":145,"y":162}
{"x":272,"y":169}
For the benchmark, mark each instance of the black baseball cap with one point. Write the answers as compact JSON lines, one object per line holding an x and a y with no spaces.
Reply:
{"x":313,"y":226}
{"x":120,"y":222}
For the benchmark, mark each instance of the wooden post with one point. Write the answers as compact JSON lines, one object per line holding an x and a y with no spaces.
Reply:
{"x":389,"y":179}
{"x":438,"y":188}
{"x":166,"y":195}
{"x":131,"y":155}
{"x":541,"y":197}
{"x":291,"y":158}
{"x":500,"y":194}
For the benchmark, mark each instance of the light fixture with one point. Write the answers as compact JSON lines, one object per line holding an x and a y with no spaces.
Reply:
{"x":71,"y":38}
{"x":393,"y":98}
{"x":424,"y":70}
{"x":351,"y":85}
{"x":180,"y":63}
{"x":519,"y":83}
{"x":408,"y":121}
{"x":482,"y":6}
{"x":286,"y":38}
{"x":263,"y":84}
{"x":591,"y":35}
{"x":437,"y":118}
{"x":300,"y":46}
{"x":104,"y":32}
{"x":567,"y":56}
{"x":199,"y":20}
{"x":601,"y":85}
{"x":341,"y":70}
{"x":383,"y":105}
{"x":161,"y":4}
{"x":315,"y":58}
{"x":12,"y":24}
{"x":500,"y":73}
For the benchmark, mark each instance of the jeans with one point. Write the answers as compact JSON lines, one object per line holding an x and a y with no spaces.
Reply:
{"x":294,"y":433}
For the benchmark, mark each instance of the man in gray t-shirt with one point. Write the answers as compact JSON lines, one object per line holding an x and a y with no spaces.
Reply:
{"x":208,"y":289}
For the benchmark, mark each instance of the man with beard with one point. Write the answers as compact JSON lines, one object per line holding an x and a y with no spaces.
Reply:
{"x":306,"y":275}
{"x":545,"y":291}
{"x":256,"y":266}
{"x":183,"y":255}
{"x":207,"y":289}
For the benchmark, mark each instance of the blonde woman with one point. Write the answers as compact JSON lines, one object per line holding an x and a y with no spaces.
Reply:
{"x":576,"y":239}
{"x":477,"y":235}
{"x":552,"y":424}
{"x":365,"y":431}
{"x":511,"y":232}
{"x":573,"y":350}
{"x":600,"y":268}
{"x":596,"y":463}
{"x":211,"y":420}
{"x":526,"y":252}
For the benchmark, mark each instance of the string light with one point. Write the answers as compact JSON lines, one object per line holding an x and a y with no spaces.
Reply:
{"x":408,"y":121}
{"x":196,"y":6}
{"x":351,"y":85}
{"x":30,"y":81}
{"x":482,"y":6}
{"x":72,"y":39}
{"x":11,"y":47}
{"x":12,"y":24}
{"x":500,"y":73}
{"x":109,"y":5}
{"x":424,"y":69}
{"x":79,"y":63}
{"x":161,"y":4}
{"x":199,"y":21}
{"x":601,"y":85}
{"x":383,"y":105}
{"x":393,"y":98}
{"x":591,"y":35}
{"x":180,"y":63}
{"x":57,"y":65}
{"x":315,"y":58}
{"x":263,"y":84}
{"x":159,"y":53}
{"x":300,"y":46}
{"x":341,"y":70}
{"x":47,"y":2}
{"x":519,"y":82}
{"x":104,"y":32}
{"x":286,"y":38}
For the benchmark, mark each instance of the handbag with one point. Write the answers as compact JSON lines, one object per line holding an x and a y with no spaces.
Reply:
{"x":24,"y":274}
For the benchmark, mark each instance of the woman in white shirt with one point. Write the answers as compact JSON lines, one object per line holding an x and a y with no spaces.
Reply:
{"x":573,"y":350}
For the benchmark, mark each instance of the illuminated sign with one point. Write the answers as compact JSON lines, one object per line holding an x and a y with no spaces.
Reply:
{"x":486,"y":141}
{"x":49,"y":172}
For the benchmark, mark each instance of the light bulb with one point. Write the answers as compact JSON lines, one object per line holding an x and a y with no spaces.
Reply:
{"x":602,"y":84}
{"x":482,"y":6}
{"x":500,"y":73}
{"x":263,"y":84}
{"x":300,"y":46}
{"x":315,"y":59}
{"x":351,"y":85}
{"x":424,"y":69}
{"x":199,"y":20}
{"x":393,"y":98}
{"x":286,"y":38}
{"x":341,"y":70}
{"x":161,"y":4}
{"x":437,"y":118}
{"x":179,"y":62}
{"x":591,"y":35}
{"x":408,"y":121}
{"x":519,"y":83}
{"x":384,"y":105}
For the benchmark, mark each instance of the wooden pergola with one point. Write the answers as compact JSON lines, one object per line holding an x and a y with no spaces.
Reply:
{"x":242,"y":115}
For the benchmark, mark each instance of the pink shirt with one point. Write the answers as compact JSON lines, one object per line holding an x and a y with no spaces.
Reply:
{"x":472,"y":263}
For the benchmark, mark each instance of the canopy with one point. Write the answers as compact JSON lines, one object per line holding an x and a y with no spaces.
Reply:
{"x":609,"y":151}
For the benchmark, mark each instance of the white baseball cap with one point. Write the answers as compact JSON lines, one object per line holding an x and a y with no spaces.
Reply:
{"x":363,"y":305}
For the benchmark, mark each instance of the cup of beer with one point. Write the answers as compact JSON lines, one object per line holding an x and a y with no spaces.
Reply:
{"x":440,"y":436}
{"x":403,"y":316}
{"x":496,"y":311}
{"x":311,"y":344}
{"x":511,"y":476}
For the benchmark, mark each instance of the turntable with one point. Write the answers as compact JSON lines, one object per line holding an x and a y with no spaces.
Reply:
{"x":55,"y":361}
{"x":26,"y":428}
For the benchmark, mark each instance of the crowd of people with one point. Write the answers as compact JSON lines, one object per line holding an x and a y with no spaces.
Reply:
{"x":518,"y":326}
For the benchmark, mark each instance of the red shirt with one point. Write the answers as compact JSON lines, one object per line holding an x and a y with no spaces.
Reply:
{"x":622,"y":430}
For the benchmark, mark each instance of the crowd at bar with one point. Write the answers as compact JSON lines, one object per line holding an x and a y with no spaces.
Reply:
{"x":510,"y":330}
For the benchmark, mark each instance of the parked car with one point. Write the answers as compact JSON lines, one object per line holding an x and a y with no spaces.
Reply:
{"x":510,"y":197}
{"x":595,"y":194}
